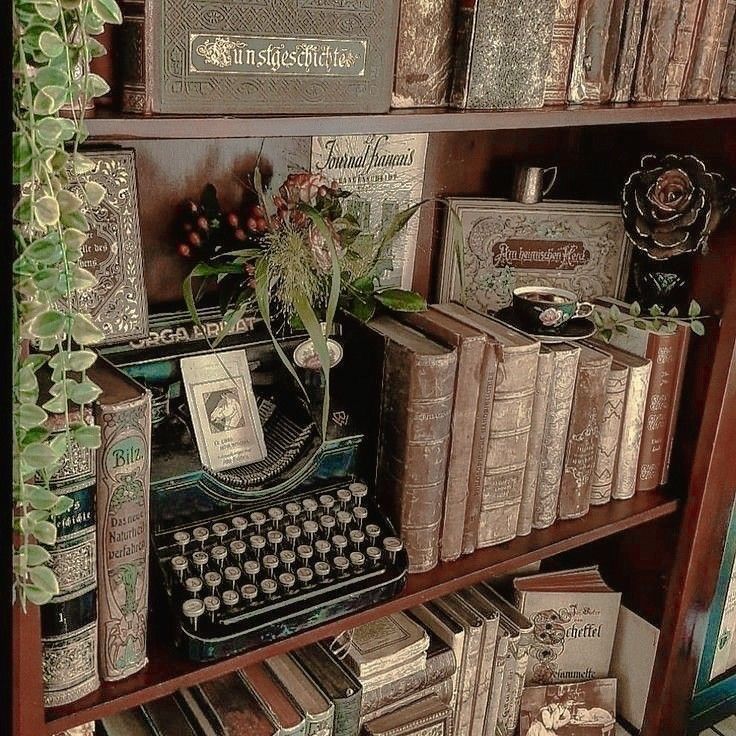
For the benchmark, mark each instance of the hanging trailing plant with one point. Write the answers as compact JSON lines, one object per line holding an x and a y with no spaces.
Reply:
{"x":53,"y":44}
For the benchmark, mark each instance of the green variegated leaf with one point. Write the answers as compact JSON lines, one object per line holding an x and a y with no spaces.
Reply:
{"x":88,"y":436}
{"x":30,"y":415}
{"x":80,"y":360}
{"x":34,"y":554}
{"x":85,"y":332}
{"x":94,"y":192}
{"x":84,"y":392}
{"x":38,"y":455}
{"x":107,"y":11}
{"x":68,"y":202}
{"x":42,"y":498}
{"x":46,"y":210}
{"x":44,"y":579}
{"x":37,"y":596}
{"x":62,"y":506}
{"x":51,"y":323}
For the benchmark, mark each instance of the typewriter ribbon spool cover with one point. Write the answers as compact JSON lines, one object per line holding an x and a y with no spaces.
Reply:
{"x":223,"y":409}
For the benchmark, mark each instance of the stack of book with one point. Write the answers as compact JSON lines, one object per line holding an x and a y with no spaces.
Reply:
{"x":486,"y":434}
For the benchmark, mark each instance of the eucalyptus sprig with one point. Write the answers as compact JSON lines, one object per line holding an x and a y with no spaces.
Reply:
{"x":612,"y":320}
{"x":53,"y":44}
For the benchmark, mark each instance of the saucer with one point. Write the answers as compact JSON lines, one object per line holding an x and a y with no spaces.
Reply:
{"x":577,"y":328}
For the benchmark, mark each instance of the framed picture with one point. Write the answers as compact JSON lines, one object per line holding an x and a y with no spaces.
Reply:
{"x":579,"y":246}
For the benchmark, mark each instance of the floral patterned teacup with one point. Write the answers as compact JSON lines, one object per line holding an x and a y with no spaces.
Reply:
{"x":546,"y":309}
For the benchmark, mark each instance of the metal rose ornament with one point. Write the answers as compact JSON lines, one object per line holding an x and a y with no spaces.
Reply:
{"x":672,"y":204}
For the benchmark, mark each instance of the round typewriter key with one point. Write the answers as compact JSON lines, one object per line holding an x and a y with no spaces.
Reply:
{"x":326,"y":502}
{"x":288,"y":558}
{"x":276,"y":514}
{"x":339,"y":542}
{"x":310,"y":529}
{"x":212,"y":580}
{"x":293,"y":533}
{"x":322,"y":570}
{"x":360,"y":514}
{"x":257,"y":543}
{"x":270,"y":563}
{"x":341,"y":564}
{"x":305,"y":552}
{"x":392,"y":545}
{"x":249,"y":592}
{"x":358,"y":491}
{"x":212,"y":605}
{"x":220,"y":530}
{"x":275,"y":538}
{"x":201,"y":534}
{"x":373,"y":531}
{"x":373,"y":554}
{"x":287,"y":581}
{"x":321,"y":547}
{"x":357,"y":559}
{"x":310,"y":506}
{"x":327,"y":522}
{"x":179,"y":565}
{"x":269,"y":586}
{"x":237,"y":548}
{"x":344,"y":496}
{"x":304,"y":575}
{"x":251,"y":568}
{"x":293,"y":510}
{"x":200,"y":560}
{"x":239,"y":524}
{"x":357,"y":537}
{"x":230,"y":598}
{"x":258,"y":518}
{"x":193,"y":586}
{"x":182,"y":539}
{"x":219,"y":554}
{"x":343,"y":519}
{"x":193,"y":609}
{"x":233,"y":574}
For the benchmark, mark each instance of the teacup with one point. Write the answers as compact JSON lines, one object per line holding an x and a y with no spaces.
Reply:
{"x":547,"y":309}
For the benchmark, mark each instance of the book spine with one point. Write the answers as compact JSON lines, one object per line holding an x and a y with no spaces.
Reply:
{"x":424,"y":53}
{"x":480,"y":450}
{"x":555,"y":438}
{"x":611,"y":51}
{"x":728,"y":84}
{"x":511,"y":419}
{"x":560,"y":55}
{"x":134,"y":74}
{"x":608,"y":444}
{"x":719,"y":64}
{"x":413,"y":447}
{"x":486,"y":663}
{"x":505,"y":715}
{"x":657,"y":38}
{"x":123,"y":484}
{"x":628,"y":52}
{"x":347,"y":715}
{"x":494,"y":699}
{"x":464,"y":36}
{"x":519,"y":650}
{"x":582,"y":439}
{"x":682,"y":49}
{"x":536,"y":436}
{"x":468,"y":676}
{"x":442,"y":690}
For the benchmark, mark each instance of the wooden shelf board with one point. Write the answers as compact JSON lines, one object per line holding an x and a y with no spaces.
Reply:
{"x":168,"y":670}
{"x":116,"y":126}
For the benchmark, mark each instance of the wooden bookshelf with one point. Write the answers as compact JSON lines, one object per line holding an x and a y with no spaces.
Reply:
{"x":168,"y":670}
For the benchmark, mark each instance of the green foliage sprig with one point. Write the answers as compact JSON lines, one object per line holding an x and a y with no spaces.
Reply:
{"x":614,"y":320}
{"x":53,"y":44}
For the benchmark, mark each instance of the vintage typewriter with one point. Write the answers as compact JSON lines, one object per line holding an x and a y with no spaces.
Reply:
{"x":257,"y":553}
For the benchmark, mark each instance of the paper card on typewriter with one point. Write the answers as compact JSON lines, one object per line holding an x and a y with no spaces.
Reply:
{"x":223,"y":409}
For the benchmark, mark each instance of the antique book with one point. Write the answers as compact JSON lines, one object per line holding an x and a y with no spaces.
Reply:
{"x":167,"y":717}
{"x":493,"y":714}
{"x":511,"y":418}
{"x":461,"y":484}
{"x":728,"y":83}
{"x":724,"y":654}
{"x":623,"y":482}
{"x":414,"y":436}
{"x":554,"y":442}
{"x":502,"y":52}
{"x":628,"y":51}
{"x":274,"y":699}
{"x":574,"y":614}
{"x":223,"y":409}
{"x":668,"y":353}
{"x":307,"y":56}
{"x":597,"y":38}
{"x":117,"y":303}
{"x":682,"y":48}
{"x":425,"y":717}
{"x":545,"y":368}
{"x":424,"y":53}
{"x":712,"y":34}
{"x":131,"y":722}
{"x":560,"y":53}
{"x":338,"y":683}
{"x":384,"y":175}
{"x":590,"y":708}
{"x":441,"y":690}
{"x":123,"y":413}
{"x":318,"y":710}
{"x":583,"y":435}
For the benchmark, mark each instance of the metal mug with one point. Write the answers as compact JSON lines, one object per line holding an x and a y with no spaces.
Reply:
{"x":529,"y":186}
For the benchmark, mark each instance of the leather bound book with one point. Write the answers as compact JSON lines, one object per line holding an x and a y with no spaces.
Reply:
{"x":493,"y":713}
{"x":682,"y":49}
{"x":554,"y":441}
{"x":274,"y":700}
{"x":441,"y":690}
{"x":167,"y":718}
{"x":245,"y":57}
{"x":656,"y":46}
{"x":470,"y":345}
{"x":545,"y":368}
{"x":426,"y":717}
{"x":728,"y":83}
{"x":502,"y":53}
{"x":560,"y":53}
{"x":123,"y":413}
{"x":511,"y":418}
{"x":583,"y":435}
{"x":414,"y":436}
{"x":628,"y":51}
{"x":424,"y":53}
{"x":623,"y":484}
{"x":338,"y":684}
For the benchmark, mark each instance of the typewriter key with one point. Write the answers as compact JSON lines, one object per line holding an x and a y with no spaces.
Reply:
{"x":341,"y":565}
{"x":287,"y":581}
{"x":201,"y":534}
{"x":239,"y":524}
{"x":233,"y":574}
{"x":305,"y":552}
{"x":212,"y":580}
{"x":258,"y":518}
{"x":373,"y":554}
{"x":357,"y":559}
{"x":269,"y":587}
{"x":193,"y":586}
{"x":230,"y":598}
{"x":343,"y":519}
{"x":358,"y":490}
{"x":179,"y":564}
{"x":357,"y":537}
{"x":237,"y":549}
{"x":257,"y":543}
{"x":192,"y":609}
{"x":251,"y":568}
{"x":360,"y":513}
{"x":310,"y":529}
{"x":275,"y":538}
{"x":326,"y":502}
{"x":339,"y":542}
{"x":392,"y":545}
{"x":292,"y":534}
{"x":310,"y":506}
{"x":200,"y":560}
{"x":212,"y":605}
{"x":182,"y":539}
{"x":327,"y":522}
{"x":373,"y":531}
{"x":219,"y":554}
{"x":322,"y":570}
{"x":304,"y":576}
{"x":275,"y":514}
{"x":249,"y":592}
{"x":270,"y":563}
{"x":220,"y":530}
{"x":321,"y":547}
{"x":293,"y":510}
{"x":344,"y":496}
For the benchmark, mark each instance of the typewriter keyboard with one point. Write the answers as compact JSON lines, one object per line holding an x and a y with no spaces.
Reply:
{"x":262,"y":574}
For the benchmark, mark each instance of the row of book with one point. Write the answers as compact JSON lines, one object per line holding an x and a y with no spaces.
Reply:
{"x":522,"y":54}
{"x":486,"y":434}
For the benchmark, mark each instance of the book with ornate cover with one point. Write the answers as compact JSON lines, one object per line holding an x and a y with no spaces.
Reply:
{"x":424,"y":53}
{"x":426,"y":717}
{"x":167,"y":717}
{"x":194,"y":56}
{"x":123,"y":413}
{"x":511,"y":418}
{"x":597,"y":38}
{"x":441,"y":690}
{"x":682,"y":49}
{"x":728,"y":83}
{"x":560,"y":53}
{"x":499,"y":676}
{"x":338,"y":683}
{"x":554,"y":443}
{"x":628,"y":51}
{"x":414,"y":436}
{"x":274,"y":699}
{"x":462,"y":486}
{"x":710,"y":45}
{"x":623,"y":482}
{"x":545,"y":368}
{"x":586,"y":419}
{"x":502,"y":52}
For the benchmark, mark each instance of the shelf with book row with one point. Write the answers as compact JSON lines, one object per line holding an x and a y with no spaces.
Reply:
{"x":169,"y":671}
